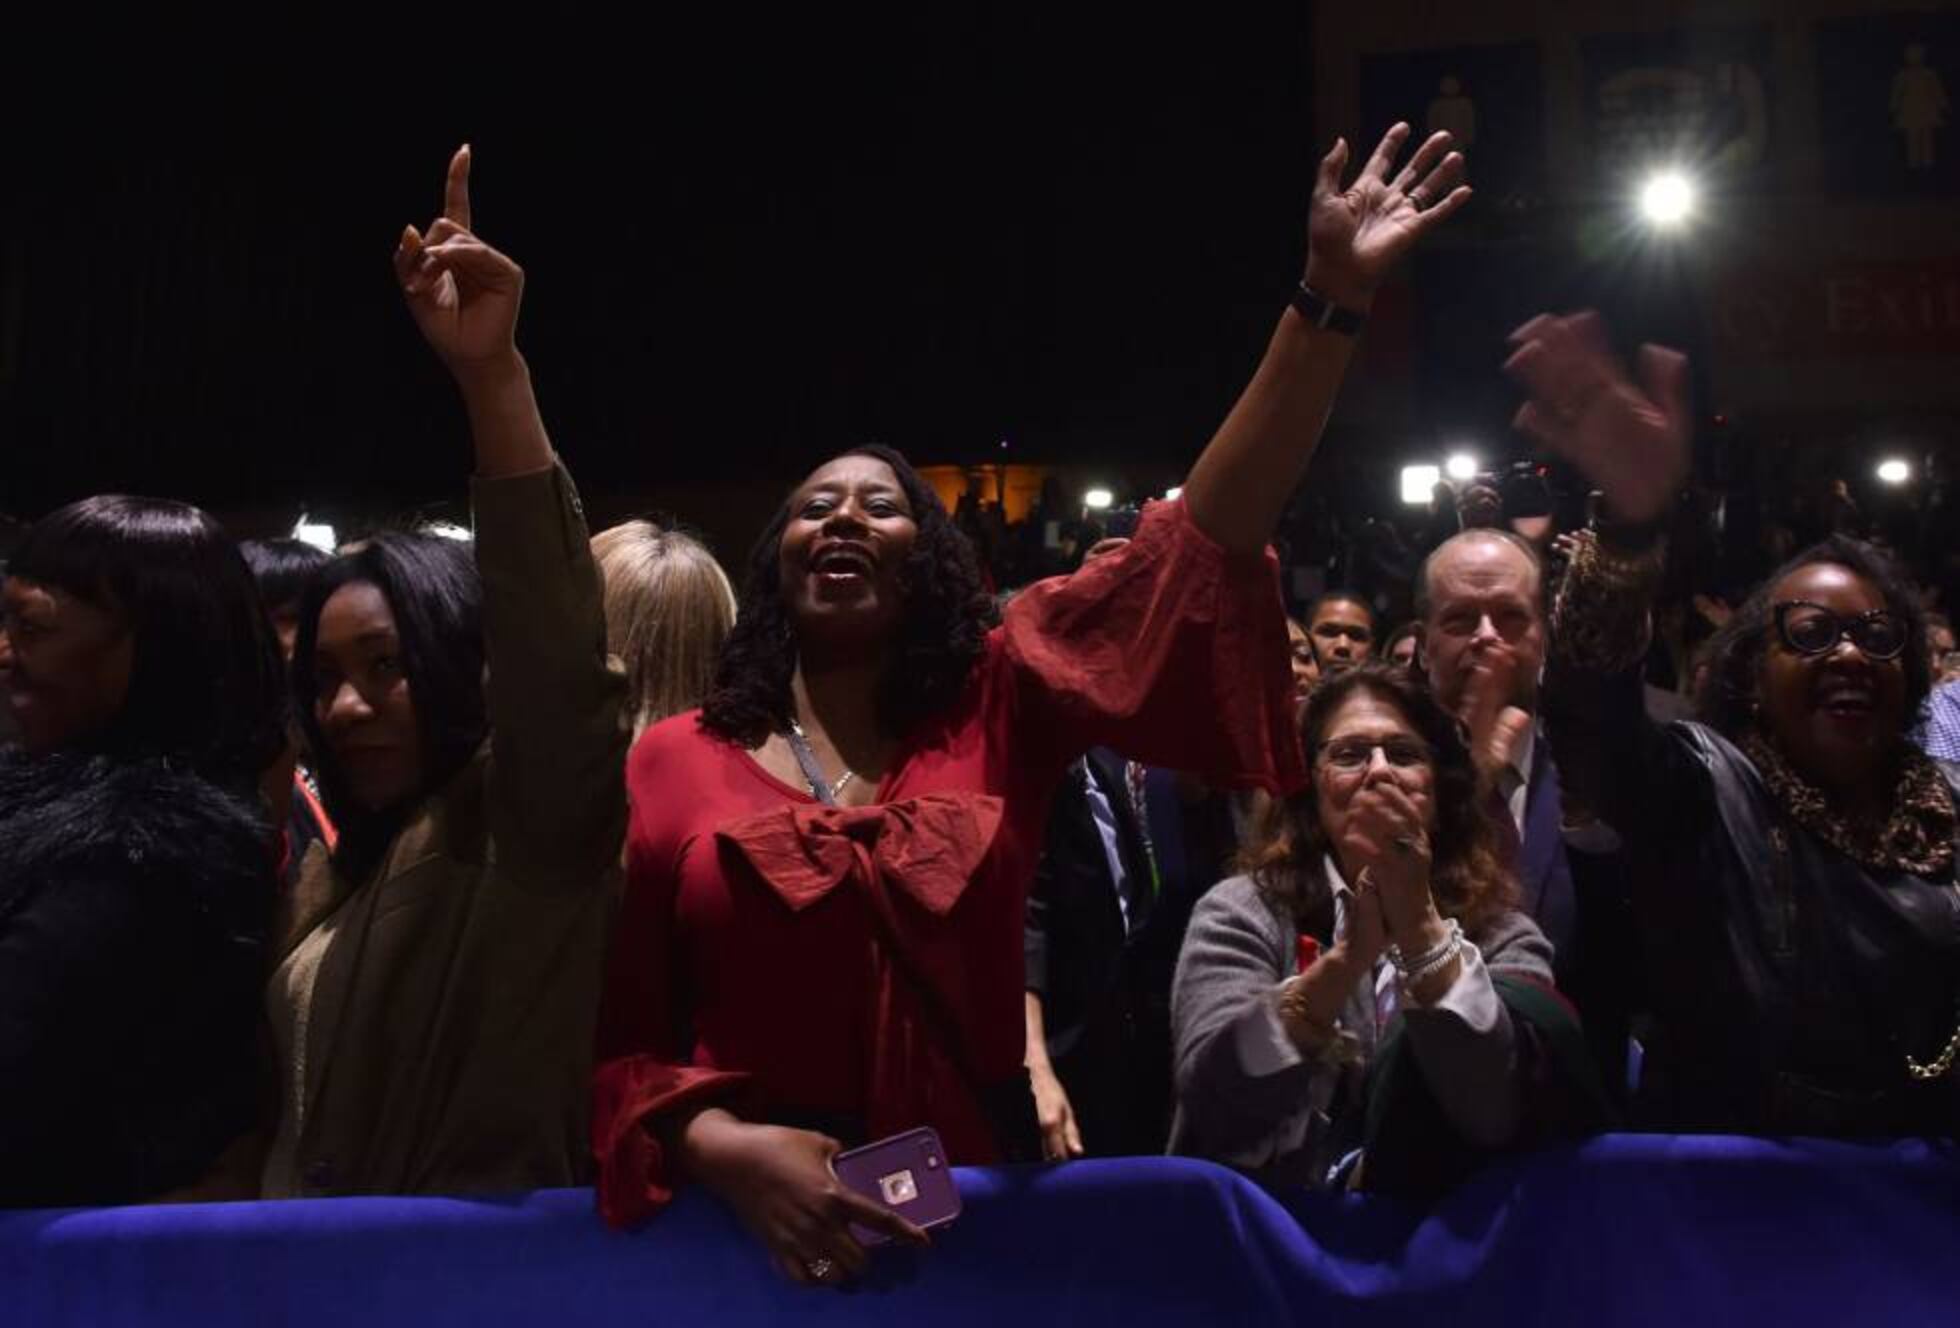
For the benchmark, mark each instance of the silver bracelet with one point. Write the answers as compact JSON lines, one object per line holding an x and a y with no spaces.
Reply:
{"x":1415,"y":978}
{"x":1430,"y":962}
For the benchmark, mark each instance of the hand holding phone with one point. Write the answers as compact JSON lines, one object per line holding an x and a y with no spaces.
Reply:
{"x":907,"y":1173}
{"x":780,"y":1183}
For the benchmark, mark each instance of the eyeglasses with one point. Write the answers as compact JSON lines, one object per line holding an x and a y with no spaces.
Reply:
{"x":1352,"y":754}
{"x":1812,"y":629}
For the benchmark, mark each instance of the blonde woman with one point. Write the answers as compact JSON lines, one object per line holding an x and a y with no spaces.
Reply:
{"x":669,"y":607}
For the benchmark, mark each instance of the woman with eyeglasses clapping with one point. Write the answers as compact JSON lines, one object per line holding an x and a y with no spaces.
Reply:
{"x":1367,"y":1006}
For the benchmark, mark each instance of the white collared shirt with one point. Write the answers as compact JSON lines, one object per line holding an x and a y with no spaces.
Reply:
{"x":1104,"y":816}
{"x":1517,"y":777}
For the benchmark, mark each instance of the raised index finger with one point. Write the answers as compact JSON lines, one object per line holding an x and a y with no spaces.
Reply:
{"x":456,"y":189}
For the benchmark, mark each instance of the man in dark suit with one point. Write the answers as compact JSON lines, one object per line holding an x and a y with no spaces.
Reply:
{"x":1481,"y":600}
{"x":1128,"y":854}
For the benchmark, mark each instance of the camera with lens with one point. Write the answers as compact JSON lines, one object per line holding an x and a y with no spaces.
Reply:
{"x":1494,"y":497}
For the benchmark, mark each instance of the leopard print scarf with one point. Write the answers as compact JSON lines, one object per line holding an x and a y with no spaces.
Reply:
{"x":1916,"y":838}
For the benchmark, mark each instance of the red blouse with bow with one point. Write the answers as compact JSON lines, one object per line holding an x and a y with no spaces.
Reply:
{"x":753,"y":963}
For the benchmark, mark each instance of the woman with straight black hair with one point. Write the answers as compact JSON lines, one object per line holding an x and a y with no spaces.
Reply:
{"x":437,"y":972}
{"x":136,"y":861}
{"x":435,"y":597}
{"x":282,"y":567}
{"x":821,"y":940}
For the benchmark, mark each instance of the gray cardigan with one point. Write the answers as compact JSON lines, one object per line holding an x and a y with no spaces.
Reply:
{"x":1291,"y":1125}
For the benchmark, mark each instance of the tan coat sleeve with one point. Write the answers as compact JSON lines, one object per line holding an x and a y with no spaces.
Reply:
{"x":558,"y":745}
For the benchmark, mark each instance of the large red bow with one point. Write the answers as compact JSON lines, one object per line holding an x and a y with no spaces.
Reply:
{"x":928,"y":846}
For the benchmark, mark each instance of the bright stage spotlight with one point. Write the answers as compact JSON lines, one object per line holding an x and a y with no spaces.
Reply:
{"x":1667,"y":200}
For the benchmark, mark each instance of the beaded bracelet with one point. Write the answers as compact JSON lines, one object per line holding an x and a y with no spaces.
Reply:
{"x":1432,"y":961}
{"x":1422,"y":973}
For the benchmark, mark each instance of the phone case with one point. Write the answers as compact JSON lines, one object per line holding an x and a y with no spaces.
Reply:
{"x":907,"y":1173}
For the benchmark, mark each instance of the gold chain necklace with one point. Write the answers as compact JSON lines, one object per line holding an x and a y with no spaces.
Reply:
{"x":1917,"y":839}
{"x":1940,"y":1064}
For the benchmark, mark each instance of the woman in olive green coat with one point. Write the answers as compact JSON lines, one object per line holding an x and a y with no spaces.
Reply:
{"x":437,"y":972}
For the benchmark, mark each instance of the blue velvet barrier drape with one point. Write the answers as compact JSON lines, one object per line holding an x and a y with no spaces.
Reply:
{"x":1624,"y":1230}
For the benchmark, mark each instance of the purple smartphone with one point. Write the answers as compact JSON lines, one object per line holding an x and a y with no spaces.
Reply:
{"x":908,"y":1174}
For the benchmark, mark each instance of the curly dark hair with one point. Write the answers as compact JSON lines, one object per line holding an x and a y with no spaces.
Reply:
{"x":1468,"y":877}
{"x":947,"y":615}
{"x":1728,"y":696}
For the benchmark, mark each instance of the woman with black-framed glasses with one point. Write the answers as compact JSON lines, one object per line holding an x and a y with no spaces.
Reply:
{"x":1793,"y":852}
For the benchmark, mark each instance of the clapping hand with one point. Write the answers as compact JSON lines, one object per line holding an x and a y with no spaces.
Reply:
{"x":1496,"y":727}
{"x":1386,"y":842}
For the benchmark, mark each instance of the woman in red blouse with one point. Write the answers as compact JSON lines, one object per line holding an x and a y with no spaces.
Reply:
{"x":821,"y":936}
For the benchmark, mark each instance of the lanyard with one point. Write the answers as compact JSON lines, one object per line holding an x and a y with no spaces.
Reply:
{"x":820,"y":788}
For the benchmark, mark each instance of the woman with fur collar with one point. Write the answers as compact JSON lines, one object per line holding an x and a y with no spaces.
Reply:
{"x":136,"y":865}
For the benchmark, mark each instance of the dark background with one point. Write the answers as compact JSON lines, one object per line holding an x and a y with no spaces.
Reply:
{"x":1857,"y":59}
{"x":746,"y":244}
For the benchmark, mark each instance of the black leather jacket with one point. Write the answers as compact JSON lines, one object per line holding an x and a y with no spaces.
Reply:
{"x":1789,"y":983}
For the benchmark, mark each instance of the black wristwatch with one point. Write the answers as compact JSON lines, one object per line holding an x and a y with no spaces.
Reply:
{"x":1323,"y":313}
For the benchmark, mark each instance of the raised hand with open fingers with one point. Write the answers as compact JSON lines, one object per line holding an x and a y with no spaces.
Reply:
{"x":463,"y":294}
{"x":1631,"y":439}
{"x":1356,"y":233}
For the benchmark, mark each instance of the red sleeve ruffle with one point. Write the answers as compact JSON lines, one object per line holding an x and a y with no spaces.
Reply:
{"x":629,"y":1095}
{"x":1172,"y":651}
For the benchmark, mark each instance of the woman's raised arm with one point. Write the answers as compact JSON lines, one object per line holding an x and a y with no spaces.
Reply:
{"x":1355,"y":236}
